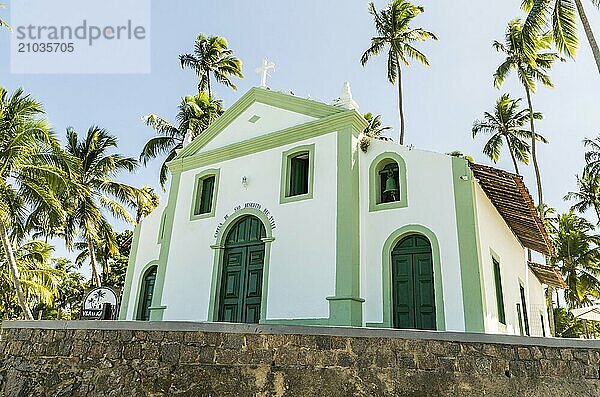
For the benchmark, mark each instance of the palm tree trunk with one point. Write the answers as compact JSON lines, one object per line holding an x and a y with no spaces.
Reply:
{"x":400,"y":105}
{"x":588,"y":32}
{"x":536,"y":167}
{"x":512,"y":155}
{"x":95,"y":276}
{"x":14,"y":272}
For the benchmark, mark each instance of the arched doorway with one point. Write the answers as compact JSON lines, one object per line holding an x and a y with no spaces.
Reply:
{"x":242,"y":272}
{"x":413,"y":291}
{"x":146,"y":294}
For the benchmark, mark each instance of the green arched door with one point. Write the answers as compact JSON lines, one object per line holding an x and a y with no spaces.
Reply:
{"x":242,"y":272}
{"x":412,"y":284}
{"x":146,"y":293}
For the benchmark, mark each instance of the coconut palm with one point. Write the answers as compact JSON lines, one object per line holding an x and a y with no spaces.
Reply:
{"x":531,"y":68}
{"x":578,"y":257}
{"x":212,"y":55}
{"x":563,"y":16}
{"x":588,"y":195}
{"x":145,"y":201}
{"x":507,"y":125}
{"x":395,"y":36}
{"x":31,"y":175}
{"x":95,"y":172}
{"x":374,"y":130}
{"x":196,"y":113}
{"x":4,"y":24}
{"x":592,"y":157}
{"x":39,"y":279}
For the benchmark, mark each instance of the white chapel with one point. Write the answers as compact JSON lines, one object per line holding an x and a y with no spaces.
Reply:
{"x":276,"y":216}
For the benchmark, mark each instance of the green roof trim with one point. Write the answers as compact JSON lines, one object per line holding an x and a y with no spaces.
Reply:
{"x":280,"y":100}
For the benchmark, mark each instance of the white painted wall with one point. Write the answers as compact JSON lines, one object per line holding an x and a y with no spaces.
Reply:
{"x":148,"y":251}
{"x":495,"y":236}
{"x":301,"y":275}
{"x":271,"y":119}
{"x":430,"y":204}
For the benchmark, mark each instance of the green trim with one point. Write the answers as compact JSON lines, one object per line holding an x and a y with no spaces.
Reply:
{"x":161,"y":227}
{"x":345,"y":308}
{"x":283,"y":101}
{"x":286,"y":158}
{"x":196,"y":196}
{"x":498,"y":289}
{"x":129,"y":274}
{"x":468,"y":246}
{"x":139,"y":288}
{"x":296,"y":321}
{"x":376,"y":165}
{"x":272,"y":140}
{"x":219,"y":247}
{"x":388,"y":246}
{"x":157,"y":309}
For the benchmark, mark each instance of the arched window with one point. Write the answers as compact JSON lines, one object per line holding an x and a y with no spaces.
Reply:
{"x":146,"y":293}
{"x":387,"y":182}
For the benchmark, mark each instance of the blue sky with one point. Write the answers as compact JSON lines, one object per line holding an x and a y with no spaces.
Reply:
{"x":317,"y":46}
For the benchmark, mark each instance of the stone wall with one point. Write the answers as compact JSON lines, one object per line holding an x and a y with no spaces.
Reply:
{"x":186,"y":359}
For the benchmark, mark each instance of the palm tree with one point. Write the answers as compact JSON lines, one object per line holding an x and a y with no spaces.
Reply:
{"x":95,"y":173}
{"x":4,"y":24}
{"x":374,"y":130}
{"x":196,"y":113}
{"x":39,"y":279}
{"x":592,"y":157}
{"x":212,"y":55}
{"x":146,"y":200}
{"x":397,"y":38}
{"x":531,"y":67}
{"x":564,"y":24}
{"x":31,"y":175}
{"x":578,"y":258}
{"x":506,"y":124}
{"x":588,"y":195}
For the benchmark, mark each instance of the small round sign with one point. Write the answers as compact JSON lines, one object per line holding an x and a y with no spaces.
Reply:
{"x":95,"y":301}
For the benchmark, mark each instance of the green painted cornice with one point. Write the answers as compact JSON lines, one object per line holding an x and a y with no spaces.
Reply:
{"x":335,"y":122}
{"x":280,"y":100}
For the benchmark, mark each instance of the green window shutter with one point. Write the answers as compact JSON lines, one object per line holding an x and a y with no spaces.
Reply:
{"x":207,"y":187}
{"x":299,"y":175}
{"x":499,"y":294}
{"x":524,"y":307}
{"x":520,"y":319}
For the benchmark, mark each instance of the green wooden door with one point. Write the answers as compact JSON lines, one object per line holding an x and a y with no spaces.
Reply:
{"x":242,"y":274}
{"x":413,"y":291}
{"x":146,"y":293}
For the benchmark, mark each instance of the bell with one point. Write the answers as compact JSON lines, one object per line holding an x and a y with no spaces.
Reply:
{"x":391,"y":187}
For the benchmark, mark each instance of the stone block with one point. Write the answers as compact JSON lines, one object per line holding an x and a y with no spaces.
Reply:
{"x":207,"y":354}
{"x":169,"y":353}
{"x":581,"y":355}
{"x":345,"y":359}
{"x":524,"y":353}
{"x":323,"y":342}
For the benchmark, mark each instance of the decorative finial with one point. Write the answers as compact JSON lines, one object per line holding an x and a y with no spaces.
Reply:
{"x":346,"y":100}
{"x":263,"y":71}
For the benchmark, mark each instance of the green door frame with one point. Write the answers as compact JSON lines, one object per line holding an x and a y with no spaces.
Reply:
{"x":386,"y":278}
{"x":219,"y":251}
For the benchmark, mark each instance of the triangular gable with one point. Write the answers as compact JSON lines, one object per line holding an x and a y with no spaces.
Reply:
{"x":298,"y":110}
